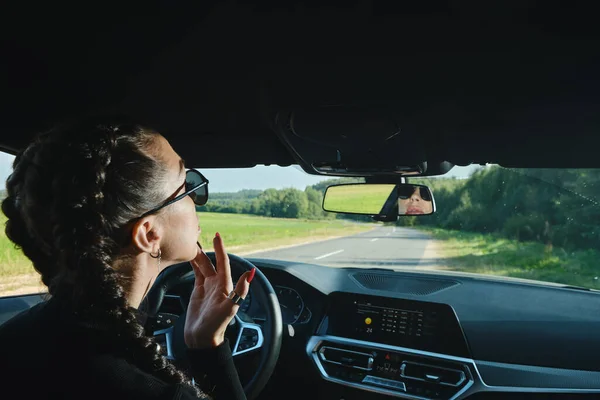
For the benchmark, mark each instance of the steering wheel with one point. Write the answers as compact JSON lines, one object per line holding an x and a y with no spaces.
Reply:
{"x":243,"y":333}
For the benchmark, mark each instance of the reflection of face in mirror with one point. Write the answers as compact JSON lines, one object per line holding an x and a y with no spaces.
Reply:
{"x":416,"y":203}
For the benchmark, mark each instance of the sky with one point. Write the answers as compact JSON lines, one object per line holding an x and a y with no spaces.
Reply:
{"x":259,"y":177}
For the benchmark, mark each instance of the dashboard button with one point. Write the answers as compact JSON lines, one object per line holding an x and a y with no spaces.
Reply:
{"x":385,"y":383}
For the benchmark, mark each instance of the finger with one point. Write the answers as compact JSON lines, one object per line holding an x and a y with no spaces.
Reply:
{"x":197,"y":293}
{"x":205,"y":266}
{"x":243,"y":286}
{"x":199,"y":278}
{"x":223,"y":266}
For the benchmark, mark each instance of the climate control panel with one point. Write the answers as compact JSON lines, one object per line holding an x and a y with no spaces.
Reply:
{"x":393,"y":371}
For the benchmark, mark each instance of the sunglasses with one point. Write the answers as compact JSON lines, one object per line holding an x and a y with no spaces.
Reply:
{"x":196,"y":186}
{"x":405,"y":192}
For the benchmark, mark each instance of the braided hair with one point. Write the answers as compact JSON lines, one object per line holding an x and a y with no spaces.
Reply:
{"x":70,"y":200}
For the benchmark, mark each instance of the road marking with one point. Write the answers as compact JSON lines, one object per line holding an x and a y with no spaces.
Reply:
{"x":329,"y":254}
{"x":374,"y":240}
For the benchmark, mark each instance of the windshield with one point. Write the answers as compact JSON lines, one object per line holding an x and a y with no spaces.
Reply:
{"x":538,"y":224}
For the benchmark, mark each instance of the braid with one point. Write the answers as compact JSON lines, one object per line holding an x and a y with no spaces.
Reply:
{"x":17,"y":229}
{"x":69,"y":199}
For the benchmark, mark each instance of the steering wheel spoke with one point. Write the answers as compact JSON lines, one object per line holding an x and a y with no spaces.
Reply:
{"x":250,"y":338}
{"x":164,"y":339}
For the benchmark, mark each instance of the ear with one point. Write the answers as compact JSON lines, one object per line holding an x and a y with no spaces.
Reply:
{"x":146,"y":235}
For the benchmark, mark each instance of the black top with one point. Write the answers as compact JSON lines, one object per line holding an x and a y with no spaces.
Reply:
{"x":45,"y":355}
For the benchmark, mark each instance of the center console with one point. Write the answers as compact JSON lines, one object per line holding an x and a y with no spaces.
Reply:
{"x":408,"y":349}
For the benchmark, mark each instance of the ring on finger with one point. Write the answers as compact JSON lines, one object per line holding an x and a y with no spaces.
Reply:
{"x":236,"y":298}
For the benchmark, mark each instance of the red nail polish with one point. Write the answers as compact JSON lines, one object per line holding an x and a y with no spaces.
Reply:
{"x":218,"y":234}
{"x":251,"y":275}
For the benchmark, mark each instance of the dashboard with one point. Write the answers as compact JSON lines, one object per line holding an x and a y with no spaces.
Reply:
{"x":369,"y":333}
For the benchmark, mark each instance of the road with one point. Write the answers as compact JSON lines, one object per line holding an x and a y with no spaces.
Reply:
{"x":385,"y":247}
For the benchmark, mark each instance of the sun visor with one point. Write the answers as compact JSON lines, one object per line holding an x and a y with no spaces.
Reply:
{"x":341,"y":140}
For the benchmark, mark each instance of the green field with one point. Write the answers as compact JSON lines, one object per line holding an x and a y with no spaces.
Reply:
{"x":247,"y":233}
{"x":242,"y":234}
{"x":490,"y":254}
{"x":362,"y":199}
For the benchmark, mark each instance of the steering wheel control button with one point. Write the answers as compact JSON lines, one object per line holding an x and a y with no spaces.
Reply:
{"x":249,"y":338}
{"x":164,"y":320}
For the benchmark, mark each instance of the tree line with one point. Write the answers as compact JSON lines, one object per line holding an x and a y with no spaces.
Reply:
{"x":558,"y":207}
{"x":278,"y":203}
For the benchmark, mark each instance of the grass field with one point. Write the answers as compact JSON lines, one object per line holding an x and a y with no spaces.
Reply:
{"x":246,"y":233}
{"x":490,"y":254}
{"x":367,"y":199}
{"x":241,"y":233}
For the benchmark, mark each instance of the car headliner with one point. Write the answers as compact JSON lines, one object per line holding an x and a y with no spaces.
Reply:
{"x":516,"y":85}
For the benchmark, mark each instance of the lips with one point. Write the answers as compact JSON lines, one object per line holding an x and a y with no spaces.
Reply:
{"x":414,"y":211}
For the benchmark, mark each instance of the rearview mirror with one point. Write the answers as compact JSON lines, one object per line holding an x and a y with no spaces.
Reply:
{"x":379,"y":199}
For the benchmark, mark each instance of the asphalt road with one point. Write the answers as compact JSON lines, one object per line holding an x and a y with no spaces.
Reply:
{"x":386,"y":247}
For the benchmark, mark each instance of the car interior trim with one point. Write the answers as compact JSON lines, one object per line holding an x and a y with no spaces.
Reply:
{"x":475,"y":382}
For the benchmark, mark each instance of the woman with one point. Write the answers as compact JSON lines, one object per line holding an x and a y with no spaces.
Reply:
{"x":101,"y":208}
{"x":414,"y":200}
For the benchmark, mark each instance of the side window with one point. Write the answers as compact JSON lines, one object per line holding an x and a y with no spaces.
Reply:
{"x":17,"y":276}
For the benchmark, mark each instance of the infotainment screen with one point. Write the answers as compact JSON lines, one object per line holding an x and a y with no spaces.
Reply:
{"x":405,"y":323}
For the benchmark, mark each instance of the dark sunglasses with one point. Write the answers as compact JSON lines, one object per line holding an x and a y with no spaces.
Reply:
{"x":196,"y":186}
{"x":404,"y":192}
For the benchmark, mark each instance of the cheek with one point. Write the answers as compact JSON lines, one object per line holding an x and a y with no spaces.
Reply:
{"x":187,"y":212}
{"x":190,"y":219}
{"x":185,"y":231}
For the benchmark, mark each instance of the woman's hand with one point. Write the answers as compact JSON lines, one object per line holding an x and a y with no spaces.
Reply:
{"x":210,"y":311}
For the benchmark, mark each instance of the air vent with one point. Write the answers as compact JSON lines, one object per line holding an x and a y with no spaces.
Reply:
{"x":402,"y":283}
